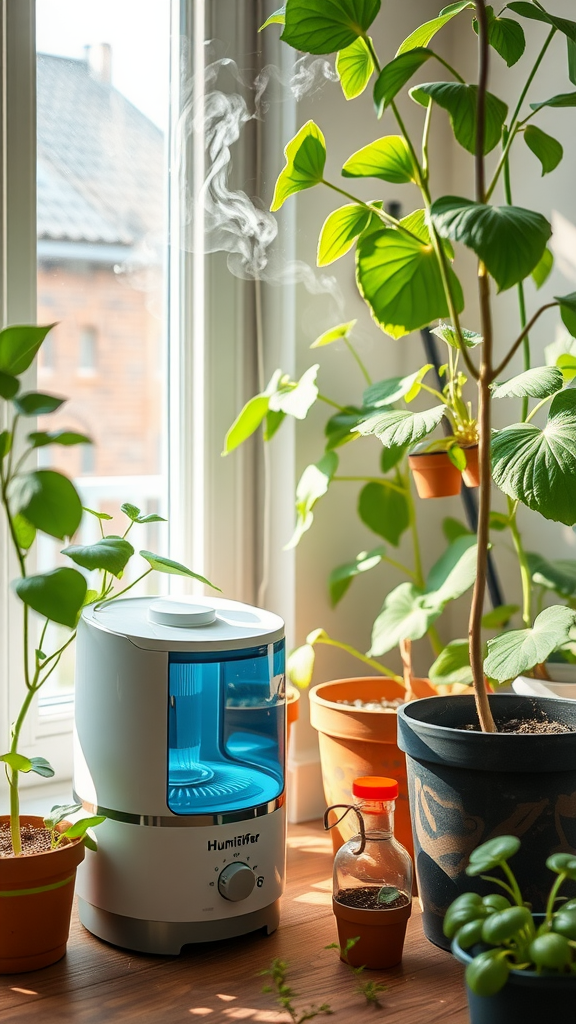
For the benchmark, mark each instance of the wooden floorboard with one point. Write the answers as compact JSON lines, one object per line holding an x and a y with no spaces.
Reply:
{"x":219,"y":983}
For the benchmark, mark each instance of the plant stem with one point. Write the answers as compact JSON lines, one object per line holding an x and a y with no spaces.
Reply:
{"x":363,"y":658}
{"x":418,"y":571}
{"x":328,"y":401}
{"x":525,"y":574}
{"x":126,"y":589}
{"x":552,"y":898}
{"x":372,"y":52}
{"x":386,"y":217}
{"x":502,"y":366}
{"x":13,"y":777}
{"x":520,"y":286}
{"x":355,"y":356}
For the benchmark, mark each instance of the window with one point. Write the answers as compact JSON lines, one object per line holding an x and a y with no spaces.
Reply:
{"x":87,"y":356}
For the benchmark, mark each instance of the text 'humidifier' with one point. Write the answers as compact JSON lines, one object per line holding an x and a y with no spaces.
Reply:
{"x":180,"y":737}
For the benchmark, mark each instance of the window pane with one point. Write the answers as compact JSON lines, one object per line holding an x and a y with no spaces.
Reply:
{"x":102,"y":81}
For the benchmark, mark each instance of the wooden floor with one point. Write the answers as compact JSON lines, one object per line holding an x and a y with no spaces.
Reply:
{"x":219,"y":983}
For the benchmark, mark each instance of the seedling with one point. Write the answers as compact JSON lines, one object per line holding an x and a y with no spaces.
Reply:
{"x":285,"y":995}
{"x":512,"y":937}
{"x":371,"y":990}
{"x":80,"y":829}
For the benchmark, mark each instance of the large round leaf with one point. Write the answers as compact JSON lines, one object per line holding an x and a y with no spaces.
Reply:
{"x":401,"y":428}
{"x":538,"y":382}
{"x":354,"y":67}
{"x":405,"y":615}
{"x":508,"y":239}
{"x":536,"y":465}
{"x":339,"y":232}
{"x":460,"y":100}
{"x":399,"y":277}
{"x":57,"y":595}
{"x":452,"y":665}
{"x":49,"y":501}
{"x":305,"y":159}
{"x":388,"y":158}
{"x":325,"y":26}
{"x":384,"y":510}
{"x":110,"y":554}
{"x":511,"y":654}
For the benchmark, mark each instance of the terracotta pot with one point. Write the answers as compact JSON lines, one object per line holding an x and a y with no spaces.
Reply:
{"x":380,"y":934}
{"x":471,"y":475}
{"x":434,"y":475}
{"x":292,"y":710}
{"x":36,"y":893}
{"x":355,"y":742}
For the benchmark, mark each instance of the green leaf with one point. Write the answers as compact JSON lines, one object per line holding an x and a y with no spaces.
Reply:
{"x":503,"y":924}
{"x":390,"y":457}
{"x":492,"y":853}
{"x":8,"y":385}
{"x":278,"y":18}
{"x":17,"y":762}
{"x":341,"y":428}
{"x":536,"y":465}
{"x":79,"y":828}
{"x":457,"y":456}
{"x":42,"y":767}
{"x":560,"y":347}
{"x":487,"y":973}
{"x":297,"y":399}
{"x":18,"y":346}
{"x":341,"y":577}
{"x":571,"y":60}
{"x":91,"y":597}
{"x":394,"y":76}
{"x":568,"y":311}
{"x":539,"y":382}
{"x":388,"y":159}
{"x":528,"y":10}
{"x":300,"y":666}
{"x":558,"y":575}
{"x":400,"y":428}
{"x":272,"y":423}
{"x":460,"y":101}
{"x":423,"y":35}
{"x":339,"y":232}
{"x":452,"y":665}
{"x":562,"y":864}
{"x":499,"y":616}
{"x":90,"y":843}
{"x":49,"y":501}
{"x":134,"y":514}
{"x":5,"y":442}
{"x":111,"y":554}
{"x":338,"y":333}
{"x":543,"y":268}
{"x":548,"y":150}
{"x":516,"y":652}
{"x":325,"y":26}
{"x":97,"y":515}
{"x":40,"y":438}
{"x":454,"y":572}
{"x":354,"y":67}
{"x":312,"y":486}
{"x":24,"y":531}
{"x":453,"y":528}
{"x":247,"y":421}
{"x":167,"y":565}
{"x":448,"y":334}
{"x":384,"y":511}
{"x":59,"y":813}
{"x":57,"y":595}
{"x":563,"y":99}
{"x":507,"y":37}
{"x":405,"y":615}
{"x":386,"y":392}
{"x":399,"y":277}
{"x":305,"y":159}
{"x":508,"y":239}
{"x":33,"y":403}
{"x":387,"y":894}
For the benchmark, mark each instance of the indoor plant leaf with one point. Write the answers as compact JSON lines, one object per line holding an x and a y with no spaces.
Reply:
{"x":33,"y":403}
{"x":568,"y":311}
{"x":536,"y":465}
{"x":563,"y":99}
{"x":460,"y":101}
{"x":572,"y":61}
{"x":42,"y":767}
{"x":341,"y":428}
{"x":390,"y":457}
{"x":506,"y":36}
{"x":384,"y":510}
{"x":499,"y":616}
{"x":9,"y":386}
{"x":548,"y":150}
{"x":518,"y":651}
{"x":341,"y":577}
{"x":401,"y":427}
{"x":508,"y":239}
{"x":167,"y":565}
{"x":404,"y":616}
{"x":399,"y":277}
{"x":305,"y":159}
{"x":18,"y":346}
{"x":339,"y":232}
{"x":297,"y":399}
{"x":454,"y":572}
{"x":543,"y":268}
{"x":424,"y":33}
{"x":313,"y":484}
{"x":49,"y":501}
{"x":111,"y":554}
{"x":448,"y":334}
{"x":17,"y":762}
{"x":278,"y":18}
{"x":57,"y":595}
{"x":98,"y":515}
{"x":394,"y":76}
{"x":558,"y":575}
{"x":24,"y":532}
{"x":528,"y":10}
{"x":300,"y":666}
{"x":354,"y":67}
{"x":325,"y":26}
{"x":386,"y":392}
{"x":59,"y":812}
{"x":247,"y":421}
{"x":40,"y":438}
{"x":539,"y":382}
{"x":388,"y":158}
{"x":454,"y":528}
{"x":338,"y":333}
{"x":452,"y":665}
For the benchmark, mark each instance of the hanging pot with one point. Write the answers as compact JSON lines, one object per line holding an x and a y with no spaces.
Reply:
{"x":355,"y":742}
{"x":471,"y":475}
{"x":36,"y":892}
{"x":435,"y":475}
{"x":468,"y":786}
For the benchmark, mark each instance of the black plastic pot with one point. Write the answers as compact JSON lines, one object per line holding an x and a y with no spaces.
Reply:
{"x":527,"y":997}
{"x":467,"y":786}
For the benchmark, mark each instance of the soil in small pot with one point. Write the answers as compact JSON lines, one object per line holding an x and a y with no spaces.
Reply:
{"x":374,"y":705}
{"x":34,"y":840}
{"x":365,"y":897}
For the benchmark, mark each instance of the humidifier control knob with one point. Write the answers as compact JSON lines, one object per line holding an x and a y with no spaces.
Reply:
{"x":236,"y":882}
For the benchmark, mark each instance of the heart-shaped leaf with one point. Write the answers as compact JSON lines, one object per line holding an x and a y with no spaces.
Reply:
{"x":399,"y":277}
{"x":494,"y":852}
{"x":460,"y":100}
{"x":568,"y":311}
{"x":394,"y":76}
{"x":548,"y":150}
{"x":111,"y":554}
{"x":386,"y":392}
{"x":387,"y":894}
{"x":354,"y":67}
{"x":57,"y":595}
{"x":49,"y":501}
{"x":33,"y":403}
{"x":338,"y":333}
{"x":539,"y":382}
{"x":17,"y":762}
{"x":511,"y":654}
{"x":426,"y":32}
{"x":405,"y":615}
{"x":305,"y":159}
{"x":18,"y":346}
{"x":536,"y":465}
{"x":42,"y":767}
{"x":384,"y":510}
{"x":448,"y":334}
{"x":9,"y":385}
{"x":325,"y":26}
{"x":388,"y":159}
{"x":278,"y":18}
{"x":339,"y":232}
{"x":543,"y":268}
{"x":562,"y":864}
{"x":313,"y":484}
{"x":452,"y":665}
{"x":558,"y":575}
{"x":297,"y":399}
{"x":401,"y":428}
{"x":167,"y":565}
{"x":506,"y":36}
{"x":341,"y":577}
{"x":454,"y":572}
{"x":508,"y":239}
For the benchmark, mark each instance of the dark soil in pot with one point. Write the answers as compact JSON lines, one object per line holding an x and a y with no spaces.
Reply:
{"x":365,"y":897}
{"x":467,"y":786}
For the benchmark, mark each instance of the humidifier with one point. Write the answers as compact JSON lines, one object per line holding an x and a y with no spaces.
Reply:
{"x":180,"y":743}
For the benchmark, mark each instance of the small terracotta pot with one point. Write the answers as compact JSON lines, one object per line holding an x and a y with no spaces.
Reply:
{"x":380,"y":934}
{"x":355,"y":742}
{"x":471,"y":475}
{"x":292,"y":710}
{"x":36,"y":893}
{"x":434,"y":475}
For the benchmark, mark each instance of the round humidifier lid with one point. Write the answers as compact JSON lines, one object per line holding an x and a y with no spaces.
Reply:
{"x":169,"y":611}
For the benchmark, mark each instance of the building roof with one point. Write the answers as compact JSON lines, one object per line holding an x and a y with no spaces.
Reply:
{"x":100,"y":161}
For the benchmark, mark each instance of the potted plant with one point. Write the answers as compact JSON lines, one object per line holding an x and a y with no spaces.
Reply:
{"x":406,"y":272}
{"x":520,"y":966}
{"x":39,"y":857}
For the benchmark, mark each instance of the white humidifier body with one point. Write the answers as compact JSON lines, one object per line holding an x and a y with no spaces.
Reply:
{"x":180,"y":743}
